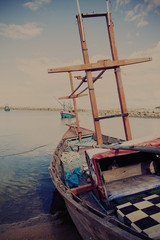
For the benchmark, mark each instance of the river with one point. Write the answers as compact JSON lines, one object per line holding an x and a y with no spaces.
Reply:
{"x":27,"y":142}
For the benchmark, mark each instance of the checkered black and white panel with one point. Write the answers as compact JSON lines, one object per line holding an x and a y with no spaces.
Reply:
{"x":142,"y":215}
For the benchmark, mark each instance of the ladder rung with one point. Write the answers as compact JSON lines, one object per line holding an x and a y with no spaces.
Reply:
{"x":112,"y":116}
{"x":98,"y":14}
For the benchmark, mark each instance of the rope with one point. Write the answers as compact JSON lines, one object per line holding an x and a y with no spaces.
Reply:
{"x":27,"y":151}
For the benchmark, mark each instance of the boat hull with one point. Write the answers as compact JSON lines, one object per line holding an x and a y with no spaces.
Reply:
{"x":91,"y":226}
{"x":67,"y":115}
{"x":6,"y":109}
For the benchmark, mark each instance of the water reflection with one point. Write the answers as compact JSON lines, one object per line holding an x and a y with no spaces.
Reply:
{"x":26,"y":149}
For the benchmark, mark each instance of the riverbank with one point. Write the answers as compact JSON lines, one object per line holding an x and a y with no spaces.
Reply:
{"x":133,"y":112}
{"x":138,"y":113}
{"x":37,"y":109}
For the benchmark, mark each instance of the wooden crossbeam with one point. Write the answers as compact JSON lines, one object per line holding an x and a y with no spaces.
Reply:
{"x":83,"y":80}
{"x":98,"y":14}
{"x":100,"y":65}
{"x":111,"y":116}
{"x":73,"y":96}
{"x":95,"y":79}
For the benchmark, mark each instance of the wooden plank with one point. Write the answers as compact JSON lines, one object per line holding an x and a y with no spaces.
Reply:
{"x":101,"y":65}
{"x":81,"y":189}
{"x":97,"y":14}
{"x":128,"y":171}
{"x":73,"y":96}
{"x":71,"y":132}
{"x":111,"y":116}
{"x":71,"y":125}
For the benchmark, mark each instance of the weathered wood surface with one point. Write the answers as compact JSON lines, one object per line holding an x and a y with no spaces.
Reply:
{"x":73,"y":96}
{"x":128,"y":171}
{"x":72,"y":132}
{"x":97,"y":14}
{"x":92,"y":226}
{"x":81,"y":189}
{"x":100,"y":65}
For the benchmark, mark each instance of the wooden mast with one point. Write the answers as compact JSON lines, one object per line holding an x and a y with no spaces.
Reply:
{"x":90,"y":82}
{"x":118,"y":77}
{"x":102,"y":65}
{"x":75,"y":108}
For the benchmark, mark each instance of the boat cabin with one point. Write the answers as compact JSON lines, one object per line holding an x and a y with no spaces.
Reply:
{"x":119,"y":173}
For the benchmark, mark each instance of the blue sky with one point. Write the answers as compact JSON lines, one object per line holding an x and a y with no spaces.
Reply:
{"x":41,"y":34}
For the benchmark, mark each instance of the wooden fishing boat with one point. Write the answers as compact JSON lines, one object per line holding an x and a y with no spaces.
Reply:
{"x":65,"y":114}
{"x":6,"y":109}
{"x":68,"y":111}
{"x":111,"y":187}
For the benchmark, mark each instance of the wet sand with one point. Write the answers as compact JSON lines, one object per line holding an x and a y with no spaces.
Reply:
{"x":42,"y":227}
{"x":57,"y":225}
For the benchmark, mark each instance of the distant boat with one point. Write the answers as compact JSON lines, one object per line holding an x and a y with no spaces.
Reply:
{"x":68,"y":111}
{"x":65,"y":114}
{"x":6,"y":108}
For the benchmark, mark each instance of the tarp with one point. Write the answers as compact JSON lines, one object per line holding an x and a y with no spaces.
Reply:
{"x":132,"y":185}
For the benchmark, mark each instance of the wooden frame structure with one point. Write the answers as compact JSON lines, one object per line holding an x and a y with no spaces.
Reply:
{"x":102,"y":66}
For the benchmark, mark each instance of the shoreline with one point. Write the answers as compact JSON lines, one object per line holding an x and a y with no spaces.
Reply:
{"x":136,"y":113}
{"x":45,"y":226}
{"x":133,"y":112}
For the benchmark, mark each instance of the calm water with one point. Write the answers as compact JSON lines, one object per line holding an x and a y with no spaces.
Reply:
{"x":27,"y":142}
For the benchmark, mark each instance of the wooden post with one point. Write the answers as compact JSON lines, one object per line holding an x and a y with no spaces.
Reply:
{"x":90,"y":82}
{"x":118,"y":77}
{"x":75,"y":108}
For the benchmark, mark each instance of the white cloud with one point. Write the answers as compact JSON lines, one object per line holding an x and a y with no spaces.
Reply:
{"x":121,"y":2}
{"x":34,"y":5}
{"x":142,"y":80}
{"x":34,"y":68}
{"x":142,"y":23}
{"x":139,"y":13}
{"x":26,"y":31}
{"x":154,"y":3}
